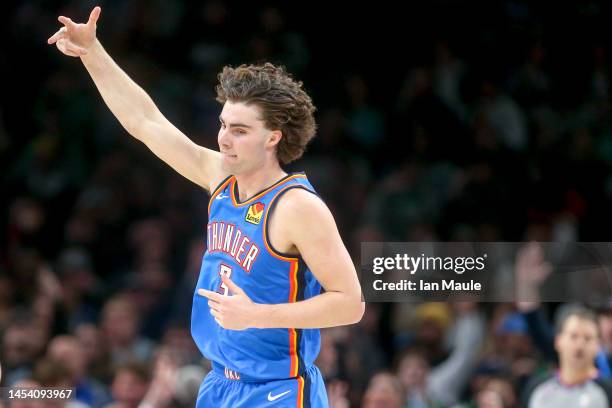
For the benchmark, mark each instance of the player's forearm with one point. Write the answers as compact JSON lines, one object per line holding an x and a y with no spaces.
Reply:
{"x":328,"y":309}
{"x":126,"y":99}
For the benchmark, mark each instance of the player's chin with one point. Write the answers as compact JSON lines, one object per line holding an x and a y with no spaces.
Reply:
{"x":228,"y":167}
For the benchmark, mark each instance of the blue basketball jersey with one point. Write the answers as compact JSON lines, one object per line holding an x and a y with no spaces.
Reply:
{"x":238,"y":246}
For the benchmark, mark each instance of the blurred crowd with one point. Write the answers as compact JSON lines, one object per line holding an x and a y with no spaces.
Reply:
{"x":502,"y":132}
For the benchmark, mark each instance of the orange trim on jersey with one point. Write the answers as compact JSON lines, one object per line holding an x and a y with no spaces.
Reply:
{"x":217,"y":190}
{"x":271,"y":250}
{"x":250,"y":200}
{"x":293,"y":346}
{"x":293,"y":369}
{"x":293,"y":281}
{"x":300,"y":390}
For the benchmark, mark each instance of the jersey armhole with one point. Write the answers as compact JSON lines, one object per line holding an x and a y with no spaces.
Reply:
{"x":217,"y":190}
{"x":281,"y":255}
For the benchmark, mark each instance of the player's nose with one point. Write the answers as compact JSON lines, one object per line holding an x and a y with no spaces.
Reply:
{"x":224,"y":139}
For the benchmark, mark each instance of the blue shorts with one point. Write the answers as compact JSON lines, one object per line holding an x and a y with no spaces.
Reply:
{"x":307,"y":391}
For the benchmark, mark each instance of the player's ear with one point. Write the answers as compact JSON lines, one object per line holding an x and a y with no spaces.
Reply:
{"x":275,"y":137}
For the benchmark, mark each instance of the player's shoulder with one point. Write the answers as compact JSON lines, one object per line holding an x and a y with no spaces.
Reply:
{"x":299,"y":198}
{"x":300,"y":207}
{"x":218,"y":180}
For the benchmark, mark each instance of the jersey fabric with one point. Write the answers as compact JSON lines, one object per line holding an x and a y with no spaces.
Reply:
{"x":553,"y":393}
{"x":238,"y":246}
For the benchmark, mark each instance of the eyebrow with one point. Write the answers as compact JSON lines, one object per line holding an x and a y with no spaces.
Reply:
{"x":235,"y":124}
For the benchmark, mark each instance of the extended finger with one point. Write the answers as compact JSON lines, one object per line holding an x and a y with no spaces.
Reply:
{"x":59,"y":34}
{"x":215,"y":313}
{"x":214,"y":305}
{"x":210,"y":295}
{"x":231,"y":285}
{"x":94,"y":15}
{"x":70,"y":25}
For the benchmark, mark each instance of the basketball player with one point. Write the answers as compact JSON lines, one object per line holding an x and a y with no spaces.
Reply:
{"x":272,"y":243}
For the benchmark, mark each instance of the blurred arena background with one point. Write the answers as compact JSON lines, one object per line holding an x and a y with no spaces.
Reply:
{"x":438,"y":120}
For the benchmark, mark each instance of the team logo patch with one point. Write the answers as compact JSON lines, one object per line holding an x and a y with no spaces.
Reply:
{"x":255,"y":213}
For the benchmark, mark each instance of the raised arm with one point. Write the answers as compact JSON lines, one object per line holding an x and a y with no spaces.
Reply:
{"x":134,"y":108}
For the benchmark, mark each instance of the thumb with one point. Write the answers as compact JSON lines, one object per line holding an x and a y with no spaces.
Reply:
{"x":231,"y":285}
{"x":94,"y":15}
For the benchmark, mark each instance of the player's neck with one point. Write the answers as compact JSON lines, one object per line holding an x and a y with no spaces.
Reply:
{"x":251,"y":183}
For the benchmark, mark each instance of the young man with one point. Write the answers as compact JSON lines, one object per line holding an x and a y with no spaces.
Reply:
{"x":272,"y":243}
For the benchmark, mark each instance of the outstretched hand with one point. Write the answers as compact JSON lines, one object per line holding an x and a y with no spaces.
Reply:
{"x":74,"y":39}
{"x":531,"y":270}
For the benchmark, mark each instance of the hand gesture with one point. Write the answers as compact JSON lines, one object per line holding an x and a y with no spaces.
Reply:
{"x":337,"y":394}
{"x":75,"y":39}
{"x":531,"y":266}
{"x":163,"y":385}
{"x":234,"y":312}
{"x":531,"y":270}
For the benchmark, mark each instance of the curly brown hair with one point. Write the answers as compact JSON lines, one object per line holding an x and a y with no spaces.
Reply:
{"x":284,"y":103}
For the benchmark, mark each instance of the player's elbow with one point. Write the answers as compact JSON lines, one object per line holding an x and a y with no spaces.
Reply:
{"x":358,"y":309}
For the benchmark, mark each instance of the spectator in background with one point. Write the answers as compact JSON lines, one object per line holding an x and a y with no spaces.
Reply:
{"x":412,"y":371}
{"x":20,"y":347}
{"x":449,"y":377}
{"x":494,"y":392}
{"x":120,"y":323}
{"x":509,"y":352}
{"x":17,"y":356}
{"x":384,"y":391}
{"x":7,"y":297}
{"x":130,"y":384}
{"x":96,"y":353}
{"x":79,"y":286}
{"x":69,"y":352}
{"x":54,"y":374}
{"x":504,"y":115}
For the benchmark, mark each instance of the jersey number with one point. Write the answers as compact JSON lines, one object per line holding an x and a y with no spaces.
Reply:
{"x":227,"y":271}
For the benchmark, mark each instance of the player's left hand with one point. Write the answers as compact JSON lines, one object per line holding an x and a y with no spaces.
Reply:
{"x":236,"y":312}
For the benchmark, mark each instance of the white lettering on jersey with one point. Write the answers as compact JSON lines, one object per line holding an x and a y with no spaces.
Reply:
{"x":227,"y":238}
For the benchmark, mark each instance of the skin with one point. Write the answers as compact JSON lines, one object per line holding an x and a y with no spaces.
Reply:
{"x":247,"y":149}
{"x":577,"y":345}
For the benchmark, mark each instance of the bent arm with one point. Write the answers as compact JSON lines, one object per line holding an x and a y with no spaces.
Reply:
{"x":316,"y":237}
